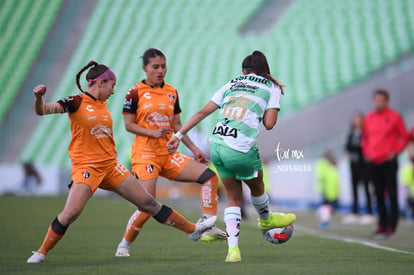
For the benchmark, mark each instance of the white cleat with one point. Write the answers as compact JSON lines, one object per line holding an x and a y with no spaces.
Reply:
{"x":36,"y":258}
{"x":202,"y":225}
{"x":122,"y":251}
{"x":213,"y":234}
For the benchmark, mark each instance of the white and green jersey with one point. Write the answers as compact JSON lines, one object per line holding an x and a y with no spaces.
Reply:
{"x":243,"y":102}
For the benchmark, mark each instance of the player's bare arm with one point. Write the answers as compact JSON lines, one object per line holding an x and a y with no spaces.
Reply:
{"x":42,"y":108}
{"x":270,"y":118}
{"x":198,"y":154}
{"x":208,"y":109}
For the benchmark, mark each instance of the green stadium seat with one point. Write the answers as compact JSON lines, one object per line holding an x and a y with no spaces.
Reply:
{"x":22,"y":36}
{"x":316,"y":48}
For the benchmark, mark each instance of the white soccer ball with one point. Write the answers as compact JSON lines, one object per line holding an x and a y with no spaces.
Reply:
{"x":278,"y":235}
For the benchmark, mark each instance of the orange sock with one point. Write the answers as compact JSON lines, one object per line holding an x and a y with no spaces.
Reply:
{"x":179,"y":222}
{"x":208,"y":195}
{"x":50,"y":241}
{"x":135,"y":223}
{"x":168,"y":216}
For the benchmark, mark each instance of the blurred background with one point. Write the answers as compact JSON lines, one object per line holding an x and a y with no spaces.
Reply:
{"x":330,"y":55}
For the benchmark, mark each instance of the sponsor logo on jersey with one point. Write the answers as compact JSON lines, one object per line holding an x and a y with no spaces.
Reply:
{"x":91,"y":117}
{"x":89,"y":108}
{"x":147,"y":95}
{"x":159,"y":120}
{"x":67,"y":99}
{"x":172,"y":97}
{"x":162,"y":106}
{"x":224,"y":130}
{"x":149,"y":168}
{"x":241,"y":85}
{"x":254,"y":78}
{"x":105,"y":117}
{"x":86,"y":174}
{"x":101,"y":131}
{"x":128,"y":103}
{"x":147,"y":105}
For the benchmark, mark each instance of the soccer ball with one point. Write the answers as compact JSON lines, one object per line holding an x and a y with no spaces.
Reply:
{"x":278,"y":235}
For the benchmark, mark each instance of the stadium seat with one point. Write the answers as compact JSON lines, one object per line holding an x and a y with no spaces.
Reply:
{"x":24,"y":27}
{"x":316,"y":48}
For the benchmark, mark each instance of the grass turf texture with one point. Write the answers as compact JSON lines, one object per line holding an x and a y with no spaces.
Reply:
{"x":89,"y":246}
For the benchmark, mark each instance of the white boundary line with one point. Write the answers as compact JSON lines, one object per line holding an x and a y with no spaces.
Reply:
{"x":331,"y":236}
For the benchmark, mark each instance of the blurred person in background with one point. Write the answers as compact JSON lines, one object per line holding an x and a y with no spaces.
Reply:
{"x":327,"y":180}
{"x":31,"y":180}
{"x":359,"y":172}
{"x":383,"y":138}
{"x":327,"y":184}
{"x":407,"y":178}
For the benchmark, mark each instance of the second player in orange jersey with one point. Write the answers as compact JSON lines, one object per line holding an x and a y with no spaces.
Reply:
{"x":152,"y":112}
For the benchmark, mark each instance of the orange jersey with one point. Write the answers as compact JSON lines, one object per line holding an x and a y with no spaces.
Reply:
{"x":91,"y":127}
{"x":154,"y":108}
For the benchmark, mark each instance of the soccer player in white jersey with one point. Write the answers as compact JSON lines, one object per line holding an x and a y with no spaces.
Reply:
{"x":244,"y":102}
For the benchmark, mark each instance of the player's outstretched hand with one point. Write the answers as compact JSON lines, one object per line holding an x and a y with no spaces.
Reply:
{"x":39,"y":91}
{"x":173,"y":144}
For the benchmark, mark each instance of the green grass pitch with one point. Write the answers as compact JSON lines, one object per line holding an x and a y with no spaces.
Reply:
{"x":89,"y":246}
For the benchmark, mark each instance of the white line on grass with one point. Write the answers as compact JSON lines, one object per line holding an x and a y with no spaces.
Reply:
{"x":326,"y":235}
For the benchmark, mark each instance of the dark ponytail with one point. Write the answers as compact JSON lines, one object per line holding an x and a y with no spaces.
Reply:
{"x":93,"y":73}
{"x":257,"y":63}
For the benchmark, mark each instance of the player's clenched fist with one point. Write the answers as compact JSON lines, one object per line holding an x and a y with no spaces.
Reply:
{"x":39,"y":90}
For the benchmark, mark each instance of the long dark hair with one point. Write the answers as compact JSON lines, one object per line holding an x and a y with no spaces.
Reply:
{"x":257,"y":63}
{"x":94,"y":72}
{"x":151,"y":53}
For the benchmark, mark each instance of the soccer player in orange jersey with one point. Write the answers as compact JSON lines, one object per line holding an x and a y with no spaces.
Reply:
{"x":152,"y":113}
{"x":94,"y":163}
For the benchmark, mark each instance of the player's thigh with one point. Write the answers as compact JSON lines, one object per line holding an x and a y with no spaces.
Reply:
{"x":78,"y":196}
{"x":256,"y":185}
{"x":132,"y":190}
{"x":182,"y":168}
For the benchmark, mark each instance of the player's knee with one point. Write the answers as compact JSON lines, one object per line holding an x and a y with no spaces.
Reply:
{"x":149,"y":204}
{"x":206,"y":175}
{"x":68,"y":216}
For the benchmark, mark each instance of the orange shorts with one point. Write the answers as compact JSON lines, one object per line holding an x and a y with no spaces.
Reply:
{"x":108,"y":176}
{"x":147,"y":166}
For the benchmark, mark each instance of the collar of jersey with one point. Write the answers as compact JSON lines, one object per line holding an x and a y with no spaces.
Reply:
{"x":91,"y":96}
{"x":161,"y":86}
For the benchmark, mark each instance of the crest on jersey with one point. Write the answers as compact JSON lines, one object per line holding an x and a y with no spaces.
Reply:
{"x":172,"y":97}
{"x":86,"y":174}
{"x":149,"y":168}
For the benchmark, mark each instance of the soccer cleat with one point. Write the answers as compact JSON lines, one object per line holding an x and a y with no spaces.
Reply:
{"x":233,"y":256}
{"x":379,"y":234}
{"x":213,"y":234}
{"x":202,"y":226}
{"x":122,"y":251}
{"x":276,"y":220}
{"x":36,"y":258}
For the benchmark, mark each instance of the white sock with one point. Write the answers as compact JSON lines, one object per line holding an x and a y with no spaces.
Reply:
{"x":261,"y":203}
{"x":124,"y":243}
{"x":232,"y":219}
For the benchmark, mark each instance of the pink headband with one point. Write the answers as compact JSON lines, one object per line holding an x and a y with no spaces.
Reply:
{"x":108,"y":74}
